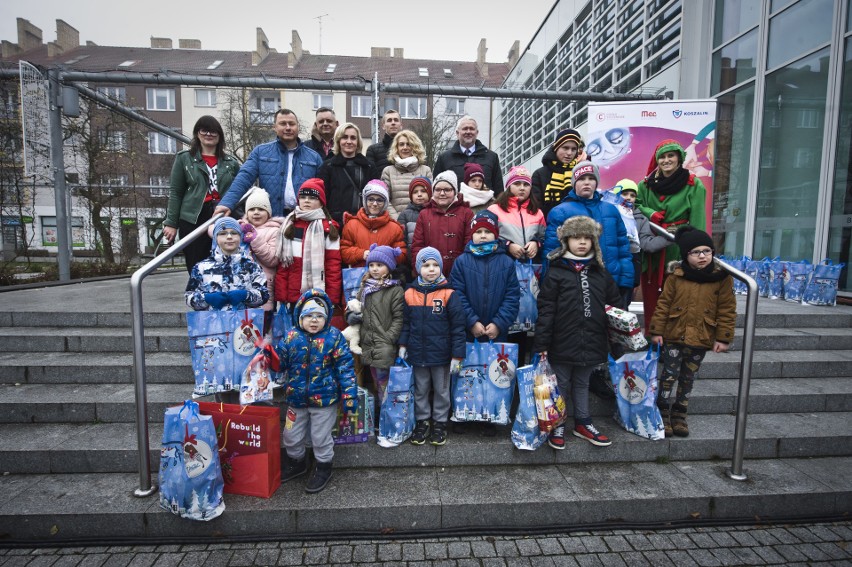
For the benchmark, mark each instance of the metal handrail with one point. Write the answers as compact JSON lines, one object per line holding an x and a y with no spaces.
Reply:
{"x":138,"y":335}
{"x":736,"y":470}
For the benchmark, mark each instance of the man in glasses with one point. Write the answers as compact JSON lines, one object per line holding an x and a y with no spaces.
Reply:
{"x":468,"y":149}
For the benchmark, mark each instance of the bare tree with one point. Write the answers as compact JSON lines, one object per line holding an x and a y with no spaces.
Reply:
{"x":435,"y":131}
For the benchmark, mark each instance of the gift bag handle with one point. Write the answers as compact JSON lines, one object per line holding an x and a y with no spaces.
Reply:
{"x":402,"y":362}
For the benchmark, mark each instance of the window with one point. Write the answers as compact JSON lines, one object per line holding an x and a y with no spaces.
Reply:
{"x":808,"y":118}
{"x":323,"y":100}
{"x":391,"y":103}
{"x":159,"y":185}
{"x":160,"y":99}
{"x":112,"y":184}
{"x":159,"y":143}
{"x":362,"y":106}
{"x":455,"y":106}
{"x":205,"y":97}
{"x":264,"y":106}
{"x":118,"y":94}
{"x":804,"y":157}
{"x":413,"y":107}
{"x":113,"y":140}
{"x":49,"y":233}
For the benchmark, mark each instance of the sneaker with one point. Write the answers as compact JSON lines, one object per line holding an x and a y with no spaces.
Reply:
{"x":591,"y":434}
{"x":556,"y":439}
{"x":421,"y":431}
{"x":439,"y":433}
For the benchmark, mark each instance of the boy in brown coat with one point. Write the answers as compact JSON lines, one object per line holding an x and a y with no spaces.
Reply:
{"x":695,"y":313}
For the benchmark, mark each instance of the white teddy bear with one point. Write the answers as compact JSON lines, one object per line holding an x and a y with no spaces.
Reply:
{"x":352,"y":333}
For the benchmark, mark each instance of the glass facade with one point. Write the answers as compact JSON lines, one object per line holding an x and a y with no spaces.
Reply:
{"x":796,"y":30}
{"x":840,"y":224}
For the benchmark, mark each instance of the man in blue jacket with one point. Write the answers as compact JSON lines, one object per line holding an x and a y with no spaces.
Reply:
{"x":280,"y":167}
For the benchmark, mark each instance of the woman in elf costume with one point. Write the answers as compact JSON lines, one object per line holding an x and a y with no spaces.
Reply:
{"x":671,"y":197}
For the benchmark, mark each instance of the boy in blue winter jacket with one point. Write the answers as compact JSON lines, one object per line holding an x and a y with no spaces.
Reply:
{"x":319,"y":373}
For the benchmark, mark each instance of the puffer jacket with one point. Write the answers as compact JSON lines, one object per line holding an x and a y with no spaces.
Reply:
{"x":360,"y":231}
{"x":488,"y":289}
{"x":344,"y":180}
{"x":455,"y":159}
{"x":188,"y":185}
{"x":381,"y":325}
{"x":288,"y":280}
{"x":615,"y":246}
{"x":571,"y":329}
{"x":268,"y":164}
{"x":433,"y":325}
{"x":319,"y":370}
{"x":397,"y":178}
{"x":226,"y":273}
{"x":377,"y":154}
{"x":517,"y":224}
{"x":693,"y":313}
{"x":263,"y":248}
{"x":446,"y":230}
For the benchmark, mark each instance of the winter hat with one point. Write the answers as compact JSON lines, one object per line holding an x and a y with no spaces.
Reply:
{"x":313,"y":307}
{"x":375,"y":187}
{"x":579,"y":225}
{"x":420,"y":182}
{"x":518,"y":173}
{"x":428,"y":253}
{"x":667,"y":145}
{"x":472,"y":170}
{"x":567,"y":135}
{"x":314,"y":187}
{"x":625,"y":185}
{"x":383,"y":254}
{"x":222,"y":224}
{"x":448,"y":176}
{"x":689,"y":238}
{"x":487,"y":220}
{"x":586,"y":168}
{"x":259,"y":199}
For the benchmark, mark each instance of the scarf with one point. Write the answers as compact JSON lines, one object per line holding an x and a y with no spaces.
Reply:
{"x":476,"y":197}
{"x":560,"y":179}
{"x":313,"y":247}
{"x":709,"y":274}
{"x":427,"y":285}
{"x":370,"y":285}
{"x":406,"y":164}
{"x":665,"y":186}
{"x":579,"y":263}
{"x":483,"y":249}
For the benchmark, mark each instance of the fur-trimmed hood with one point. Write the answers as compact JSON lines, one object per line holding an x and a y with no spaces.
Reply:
{"x":675,"y":265}
{"x":577,"y":226}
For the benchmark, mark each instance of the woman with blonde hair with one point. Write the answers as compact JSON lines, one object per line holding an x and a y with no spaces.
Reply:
{"x":346,"y":173}
{"x":407,"y":160}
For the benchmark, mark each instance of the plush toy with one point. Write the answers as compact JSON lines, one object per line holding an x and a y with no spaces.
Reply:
{"x":352,"y":333}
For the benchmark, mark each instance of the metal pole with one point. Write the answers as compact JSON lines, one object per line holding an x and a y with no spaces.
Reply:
{"x":375,"y":108}
{"x":503,"y":92}
{"x":57,"y":157}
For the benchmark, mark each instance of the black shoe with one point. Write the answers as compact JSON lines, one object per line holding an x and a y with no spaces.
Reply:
{"x":421,"y":432}
{"x":293,"y":468}
{"x":439,"y":433}
{"x":320,"y":478}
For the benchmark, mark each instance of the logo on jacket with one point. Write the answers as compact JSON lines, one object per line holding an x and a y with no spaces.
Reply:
{"x":437,"y":306}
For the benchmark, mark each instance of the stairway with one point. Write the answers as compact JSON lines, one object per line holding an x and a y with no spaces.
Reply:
{"x":68,"y":448}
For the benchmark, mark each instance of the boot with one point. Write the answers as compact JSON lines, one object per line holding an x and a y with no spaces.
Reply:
{"x":679,"y":426}
{"x":667,"y":420}
{"x":320,"y":478}
{"x":293,"y":468}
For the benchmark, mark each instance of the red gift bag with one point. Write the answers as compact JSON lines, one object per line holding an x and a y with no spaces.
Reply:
{"x":249,"y":440}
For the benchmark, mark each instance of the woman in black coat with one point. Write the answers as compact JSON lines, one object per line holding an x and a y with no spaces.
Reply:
{"x":345,"y":174}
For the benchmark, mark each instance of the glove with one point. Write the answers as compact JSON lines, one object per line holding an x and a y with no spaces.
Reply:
{"x":237,"y":296}
{"x":249,"y":233}
{"x":216,"y":299}
{"x":354,"y":318}
{"x":455,"y":366}
{"x":403,"y":353}
{"x":658,"y":218}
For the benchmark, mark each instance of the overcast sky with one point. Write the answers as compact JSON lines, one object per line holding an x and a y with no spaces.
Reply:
{"x":439,"y":29}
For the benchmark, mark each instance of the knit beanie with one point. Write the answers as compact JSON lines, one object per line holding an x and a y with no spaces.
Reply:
{"x":689,"y":238}
{"x":487,"y":220}
{"x":585,"y":168}
{"x":420,"y":182}
{"x":578,"y":226}
{"x":314,"y":187}
{"x":667,"y":145}
{"x":375,"y":187}
{"x":259,"y":199}
{"x":313,"y":307}
{"x":518,"y":173}
{"x":449,"y":176}
{"x":567,"y":135}
{"x":428,"y":253}
{"x":222,"y":224}
{"x":383,"y":254}
{"x":625,"y":185}
{"x":472,"y":170}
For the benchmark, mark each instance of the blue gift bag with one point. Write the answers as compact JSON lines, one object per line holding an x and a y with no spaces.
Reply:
{"x":740,"y":287}
{"x":796,"y":280}
{"x":528,"y":312}
{"x":822,"y":289}
{"x":483,"y":389}
{"x":526,"y":434}
{"x":758,"y":271}
{"x":396,"y":419}
{"x":222,"y":344}
{"x":190,"y":479}
{"x":351,"y":282}
{"x":777,"y":275}
{"x":634,"y":379}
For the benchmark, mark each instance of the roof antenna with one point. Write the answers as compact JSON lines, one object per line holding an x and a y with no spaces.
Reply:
{"x":319,"y":18}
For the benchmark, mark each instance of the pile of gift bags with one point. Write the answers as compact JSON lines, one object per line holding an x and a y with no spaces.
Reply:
{"x":797,"y":282}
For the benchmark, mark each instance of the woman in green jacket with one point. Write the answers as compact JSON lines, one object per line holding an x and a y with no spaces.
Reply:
{"x":200,"y":176}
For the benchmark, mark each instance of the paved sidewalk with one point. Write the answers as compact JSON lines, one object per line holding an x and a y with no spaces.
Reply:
{"x":802,"y":544}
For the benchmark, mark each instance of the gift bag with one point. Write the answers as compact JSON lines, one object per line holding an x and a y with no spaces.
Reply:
{"x":282,"y":323}
{"x":351,"y":282}
{"x":525,"y":432}
{"x":222,"y":344}
{"x":257,"y":380}
{"x":740,"y":287}
{"x":634,"y":377}
{"x":822,"y":289}
{"x":190,"y":476}
{"x":483,"y":388}
{"x":550,"y":407}
{"x":249,"y":439}
{"x":796,"y":280}
{"x":396,"y":420}
{"x":528,"y":312}
{"x":623,"y":329}
{"x":348,"y":430}
{"x":755,"y":269}
{"x":777,"y":276}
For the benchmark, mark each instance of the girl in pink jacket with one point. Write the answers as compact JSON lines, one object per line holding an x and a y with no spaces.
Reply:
{"x":519,"y":219}
{"x":260,"y":231}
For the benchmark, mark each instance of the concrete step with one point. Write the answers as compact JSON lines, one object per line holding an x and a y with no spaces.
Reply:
{"x":65,"y":507}
{"x":112,"y":447}
{"x":115,"y":403}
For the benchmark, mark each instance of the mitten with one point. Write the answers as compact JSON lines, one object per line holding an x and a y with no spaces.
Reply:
{"x":216,"y":299}
{"x":249,"y":233}
{"x":658,"y":218}
{"x":353,"y":318}
{"x":237,"y":296}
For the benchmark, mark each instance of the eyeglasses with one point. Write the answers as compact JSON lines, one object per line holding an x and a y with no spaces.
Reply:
{"x":375,"y":201}
{"x":313,"y":317}
{"x":205,"y":132}
{"x":697,"y":253}
{"x":444,"y":190}
{"x":228,"y":233}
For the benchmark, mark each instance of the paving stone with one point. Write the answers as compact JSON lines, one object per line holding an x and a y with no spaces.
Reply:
{"x":834,"y":550}
{"x":267,"y":556}
{"x":483,"y":549}
{"x":824,"y":533}
{"x":390,"y":552}
{"x":467,"y":562}
{"x":458,"y":549}
{"x":93,"y":560}
{"x":724,"y":539}
{"x":657,"y":557}
{"x":680,"y":557}
{"x":528,"y":547}
{"x":595,"y":544}
{"x":445,"y":563}
{"x":680,"y":541}
{"x":611,"y":560}
{"x":167,"y":560}
{"x":804,"y":534}
{"x":588,"y":560}
{"x":790,"y":552}
{"x":704,"y":541}
{"x":704,"y":558}
{"x":639,"y":542}
{"x":243,"y":557}
{"x":617,"y":543}
{"x":565,"y":561}
{"x":316,"y":556}
{"x":782,"y":535}
{"x":506,"y":549}
{"x":341,"y":554}
{"x":763,"y":537}
{"x":550,"y":546}
{"x":195,"y":559}
{"x":748,"y":556}
{"x":364,"y":553}
{"x":494,"y":562}
{"x":573,"y":545}
{"x":435,"y":551}
{"x":744,"y":539}
{"x":662,"y":541}
{"x":635,"y":559}
{"x":222,"y":558}
{"x":48,"y":560}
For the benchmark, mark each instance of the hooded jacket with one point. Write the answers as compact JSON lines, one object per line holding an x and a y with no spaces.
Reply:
{"x":447,"y":230}
{"x":263,"y":248}
{"x":381,"y":325}
{"x":455,"y":159}
{"x":318,"y":368}
{"x":226,"y":273}
{"x":360,"y":231}
{"x":433,"y":325}
{"x":518,"y":225}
